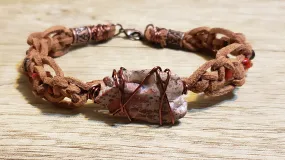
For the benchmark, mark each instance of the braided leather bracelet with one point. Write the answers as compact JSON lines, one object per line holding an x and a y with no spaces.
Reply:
{"x":152,"y":95}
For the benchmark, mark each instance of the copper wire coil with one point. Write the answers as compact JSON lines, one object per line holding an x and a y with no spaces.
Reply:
{"x":164,"y":37}
{"x":156,"y":33}
{"x":102,"y":32}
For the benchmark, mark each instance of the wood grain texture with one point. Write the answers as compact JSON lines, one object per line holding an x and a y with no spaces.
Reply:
{"x":248,"y":124}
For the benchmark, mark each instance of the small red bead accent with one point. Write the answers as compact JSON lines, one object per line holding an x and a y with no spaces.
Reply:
{"x":34,"y":75}
{"x":229,"y":74}
{"x":246,"y":63}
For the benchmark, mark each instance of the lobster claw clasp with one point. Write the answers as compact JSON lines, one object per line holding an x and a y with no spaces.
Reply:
{"x":132,"y":34}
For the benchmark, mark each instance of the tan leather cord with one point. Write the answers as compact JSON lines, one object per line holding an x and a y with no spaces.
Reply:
{"x":209,"y":78}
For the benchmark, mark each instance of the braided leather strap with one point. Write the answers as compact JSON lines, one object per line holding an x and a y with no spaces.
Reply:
{"x":216,"y":77}
{"x":55,"y":42}
{"x":220,"y":75}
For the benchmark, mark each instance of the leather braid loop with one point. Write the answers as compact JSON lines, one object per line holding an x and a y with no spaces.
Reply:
{"x":210,"y":77}
{"x":55,"y":42}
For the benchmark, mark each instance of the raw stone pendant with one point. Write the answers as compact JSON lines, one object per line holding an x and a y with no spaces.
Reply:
{"x":139,"y":94}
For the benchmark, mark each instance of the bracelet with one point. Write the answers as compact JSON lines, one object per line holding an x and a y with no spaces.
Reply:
{"x":152,"y":95}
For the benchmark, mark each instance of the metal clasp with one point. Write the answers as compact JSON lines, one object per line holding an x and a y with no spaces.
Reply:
{"x":132,"y":34}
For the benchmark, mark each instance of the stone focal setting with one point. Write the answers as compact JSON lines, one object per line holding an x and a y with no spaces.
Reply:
{"x":149,"y":95}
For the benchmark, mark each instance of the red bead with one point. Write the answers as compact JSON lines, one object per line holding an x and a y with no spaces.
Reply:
{"x":229,"y":74}
{"x":246,"y":63}
{"x":34,"y":75}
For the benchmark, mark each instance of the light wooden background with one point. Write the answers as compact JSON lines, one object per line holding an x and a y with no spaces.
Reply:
{"x":248,"y":124}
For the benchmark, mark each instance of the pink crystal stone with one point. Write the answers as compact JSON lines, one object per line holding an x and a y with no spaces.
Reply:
{"x":144,"y":105}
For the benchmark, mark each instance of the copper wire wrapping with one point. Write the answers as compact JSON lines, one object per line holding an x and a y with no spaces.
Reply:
{"x":155,"y":34}
{"x":102,"y":32}
{"x":164,"y":37}
{"x":120,"y":83}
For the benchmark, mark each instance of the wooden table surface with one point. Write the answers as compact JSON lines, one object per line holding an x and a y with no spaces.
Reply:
{"x":248,"y":124}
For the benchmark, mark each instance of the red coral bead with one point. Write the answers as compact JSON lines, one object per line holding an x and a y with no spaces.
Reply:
{"x":229,"y":74}
{"x":34,"y":75}
{"x":246,"y":63}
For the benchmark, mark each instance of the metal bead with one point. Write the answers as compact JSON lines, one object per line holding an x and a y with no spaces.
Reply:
{"x":81,"y":35}
{"x":174,"y":38}
{"x":98,"y":33}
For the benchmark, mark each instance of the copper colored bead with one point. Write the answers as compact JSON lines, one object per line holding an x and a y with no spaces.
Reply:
{"x":81,"y":35}
{"x":85,"y":34}
{"x":174,"y":38}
